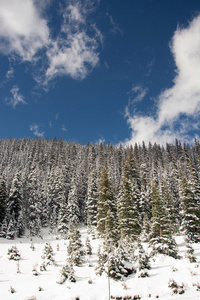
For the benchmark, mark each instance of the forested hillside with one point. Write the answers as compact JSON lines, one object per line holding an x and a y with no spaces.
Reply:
{"x":146,"y":190}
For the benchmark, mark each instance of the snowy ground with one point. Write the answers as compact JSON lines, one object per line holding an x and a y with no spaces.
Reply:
{"x":155,"y":286}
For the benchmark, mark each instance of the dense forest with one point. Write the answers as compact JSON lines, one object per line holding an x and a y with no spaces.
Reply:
{"x":123,"y":193}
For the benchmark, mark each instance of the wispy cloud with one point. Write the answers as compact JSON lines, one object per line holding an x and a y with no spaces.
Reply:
{"x":150,"y":66}
{"x":17,"y":97}
{"x":63,"y":128}
{"x":10,"y":73}
{"x":36,"y":131}
{"x":74,"y":52}
{"x":137,"y":94}
{"x":179,"y":103}
{"x":25,"y":33}
{"x":22,"y":29}
{"x":114,"y":26}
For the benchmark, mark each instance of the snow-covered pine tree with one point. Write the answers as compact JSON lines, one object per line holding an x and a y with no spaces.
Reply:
{"x":111,"y":235}
{"x":48,"y":254}
{"x":92,"y":202}
{"x":3,"y":200}
{"x":190,"y":253}
{"x":67,"y":272}
{"x":73,"y":212}
{"x":143,"y":264}
{"x":128,"y":214}
{"x":88,"y":246}
{"x":62,"y":219}
{"x":4,"y":228}
{"x":106,"y":202}
{"x":44,"y":215}
{"x":161,"y":239}
{"x":15,"y":198}
{"x":194,"y":182}
{"x":190,"y":212}
{"x":13,"y":253}
{"x":170,"y":207}
{"x":114,"y":263}
{"x":33,"y":211}
{"x":20,"y":226}
{"x":146,"y":229}
{"x":74,"y":249}
{"x":55,"y":188}
{"x":82,"y":186}
{"x":34,"y":220}
{"x":10,"y":235}
{"x":100,"y":267}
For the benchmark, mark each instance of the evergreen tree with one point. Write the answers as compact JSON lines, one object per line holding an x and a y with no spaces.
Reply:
{"x":67,"y":272}
{"x":34,"y":220}
{"x":194,"y":183}
{"x":74,"y":248}
{"x":11,"y":229}
{"x":73,"y":212}
{"x":4,"y":228}
{"x":111,"y":232}
{"x":13,"y":253}
{"x":55,"y":193}
{"x":146,"y":229}
{"x":170,"y":207}
{"x":15,"y":198}
{"x":106,"y":202}
{"x":3,"y":200}
{"x":48,"y":254}
{"x":161,"y":238}
{"x":33,"y":210}
{"x":142,"y":262}
{"x":190,"y":212}
{"x":92,"y":201}
{"x":62,"y":219}
{"x":113,"y":263}
{"x":190,"y":253}
{"x":127,"y":208}
{"x":88,"y":246}
{"x":20,"y":227}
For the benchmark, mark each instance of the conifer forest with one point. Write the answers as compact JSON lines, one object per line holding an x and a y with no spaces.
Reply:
{"x":124,"y":195}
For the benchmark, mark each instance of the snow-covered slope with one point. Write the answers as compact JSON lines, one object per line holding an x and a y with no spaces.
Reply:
{"x":88,"y":286}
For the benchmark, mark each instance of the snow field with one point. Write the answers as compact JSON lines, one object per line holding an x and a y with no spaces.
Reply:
{"x":89,"y":286}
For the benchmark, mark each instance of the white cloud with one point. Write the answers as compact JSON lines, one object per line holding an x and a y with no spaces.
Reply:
{"x":140,"y":93}
{"x":25,"y":33}
{"x":114,"y":26}
{"x":74,"y":51}
{"x":10,"y":73}
{"x":16,"y":98}
{"x":63,"y":128}
{"x":35,"y":129}
{"x":178,"y":103}
{"x":22,"y":30}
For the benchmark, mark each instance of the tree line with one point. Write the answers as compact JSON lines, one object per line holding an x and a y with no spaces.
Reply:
{"x":123,"y":193}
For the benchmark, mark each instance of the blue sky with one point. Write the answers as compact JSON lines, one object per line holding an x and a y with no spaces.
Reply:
{"x":102,"y":70}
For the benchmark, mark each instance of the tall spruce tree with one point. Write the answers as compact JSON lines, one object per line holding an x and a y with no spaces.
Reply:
{"x":15,"y":199}
{"x":106,"y":202}
{"x":128,"y":214}
{"x":74,"y":248}
{"x":92,"y":201}
{"x":73,"y":211}
{"x":190,"y":212}
{"x":161,"y":238}
{"x":62,"y":219}
{"x":3,"y":200}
